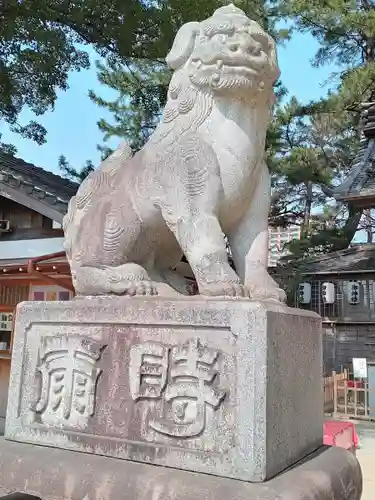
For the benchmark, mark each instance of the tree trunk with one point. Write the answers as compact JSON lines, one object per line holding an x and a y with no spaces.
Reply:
{"x":368,"y":219}
{"x":308,"y":205}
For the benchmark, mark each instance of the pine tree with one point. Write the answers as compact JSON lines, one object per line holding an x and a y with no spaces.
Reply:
{"x":42,"y":41}
{"x":71,"y":173}
{"x":345,"y":30}
{"x":328,"y":128}
{"x":313,"y":153}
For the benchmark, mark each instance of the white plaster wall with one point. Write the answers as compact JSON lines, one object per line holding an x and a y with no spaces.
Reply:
{"x":27,"y":249}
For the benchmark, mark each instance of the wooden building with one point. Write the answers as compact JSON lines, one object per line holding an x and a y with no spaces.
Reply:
{"x":341,"y":288}
{"x":32,"y":205}
{"x":348,"y":275}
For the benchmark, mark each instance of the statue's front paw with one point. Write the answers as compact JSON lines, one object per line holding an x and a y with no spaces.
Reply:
{"x":225,"y":290}
{"x":268,"y":293}
{"x":262,"y":287}
{"x":132,"y":289}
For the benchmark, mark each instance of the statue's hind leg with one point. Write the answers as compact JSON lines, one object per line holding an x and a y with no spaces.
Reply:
{"x":111,"y":262}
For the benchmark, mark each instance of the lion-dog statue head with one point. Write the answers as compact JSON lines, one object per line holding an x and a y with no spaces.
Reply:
{"x":226,"y":52}
{"x":226,"y":56}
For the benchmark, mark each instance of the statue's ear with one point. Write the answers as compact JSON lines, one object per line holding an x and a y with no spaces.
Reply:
{"x":183,"y":45}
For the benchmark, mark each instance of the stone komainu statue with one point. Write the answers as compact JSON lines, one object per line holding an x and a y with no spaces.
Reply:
{"x":201,"y":176}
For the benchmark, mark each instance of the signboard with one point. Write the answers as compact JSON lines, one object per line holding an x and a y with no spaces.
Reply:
{"x":49,"y":293}
{"x":360,"y":367}
{"x":6,"y":322}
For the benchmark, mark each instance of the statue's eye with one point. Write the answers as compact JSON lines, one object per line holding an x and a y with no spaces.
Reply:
{"x":262,"y":40}
{"x":220,"y":38}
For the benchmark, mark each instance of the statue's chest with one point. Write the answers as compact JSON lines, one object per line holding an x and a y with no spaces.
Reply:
{"x":239,"y":159}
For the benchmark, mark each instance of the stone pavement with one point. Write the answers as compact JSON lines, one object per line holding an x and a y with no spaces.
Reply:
{"x":366,"y":457}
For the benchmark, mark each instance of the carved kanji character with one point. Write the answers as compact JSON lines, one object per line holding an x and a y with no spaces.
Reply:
{"x":148,"y":370}
{"x":69,"y":375}
{"x":192,"y":375}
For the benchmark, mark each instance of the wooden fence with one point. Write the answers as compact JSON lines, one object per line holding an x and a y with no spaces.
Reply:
{"x":347,"y":398}
{"x":330,"y":389}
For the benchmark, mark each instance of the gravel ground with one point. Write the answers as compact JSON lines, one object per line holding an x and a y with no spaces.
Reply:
{"x":366,"y":457}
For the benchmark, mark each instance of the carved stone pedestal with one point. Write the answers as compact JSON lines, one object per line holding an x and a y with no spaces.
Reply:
{"x":225,"y":387}
{"x":52,"y":474}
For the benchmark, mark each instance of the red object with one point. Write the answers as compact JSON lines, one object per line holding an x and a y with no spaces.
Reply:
{"x":31,"y":269}
{"x":341,"y":434}
{"x":354,"y":385}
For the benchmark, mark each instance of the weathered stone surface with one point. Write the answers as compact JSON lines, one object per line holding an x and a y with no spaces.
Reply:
{"x":225,"y":387}
{"x":330,"y":474}
{"x":201,"y":175}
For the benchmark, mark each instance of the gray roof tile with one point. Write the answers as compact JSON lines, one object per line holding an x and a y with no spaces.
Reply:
{"x":353,"y":259}
{"x":361,"y":179}
{"x":36,"y":182}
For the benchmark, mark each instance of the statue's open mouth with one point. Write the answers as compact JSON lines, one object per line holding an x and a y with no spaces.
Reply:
{"x":243,"y":66}
{"x":254,"y":63}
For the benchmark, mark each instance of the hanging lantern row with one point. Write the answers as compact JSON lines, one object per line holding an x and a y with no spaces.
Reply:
{"x":23,"y":269}
{"x":353,"y":292}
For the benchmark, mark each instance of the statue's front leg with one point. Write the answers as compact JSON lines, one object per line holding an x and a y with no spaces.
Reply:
{"x":202,"y":241}
{"x":191,"y":214}
{"x":249,"y":245}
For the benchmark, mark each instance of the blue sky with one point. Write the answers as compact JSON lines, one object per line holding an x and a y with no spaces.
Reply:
{"x":72,"y":125}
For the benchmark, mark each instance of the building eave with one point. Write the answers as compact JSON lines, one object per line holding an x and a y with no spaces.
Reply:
{"x":35,"y":188}
{"x":54,"y":211}
{"x":361,"y":200}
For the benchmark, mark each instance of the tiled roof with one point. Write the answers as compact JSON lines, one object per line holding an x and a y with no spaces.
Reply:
{"x":356,"y":258}
{"x":361,"y":179}
{"x":36,"y":182}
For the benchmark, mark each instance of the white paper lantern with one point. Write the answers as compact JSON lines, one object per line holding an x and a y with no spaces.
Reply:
{"x":328,"y":293}
{"x":304,"y":293}
{"x":353,"y":292}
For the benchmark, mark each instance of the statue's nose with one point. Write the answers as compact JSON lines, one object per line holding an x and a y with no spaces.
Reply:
{"x":247,"y":45}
